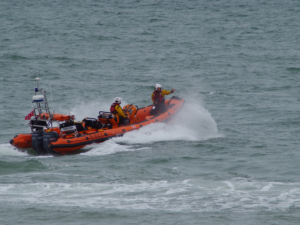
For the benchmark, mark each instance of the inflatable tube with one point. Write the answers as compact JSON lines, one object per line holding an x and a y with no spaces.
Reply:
{"x":21,"y":141}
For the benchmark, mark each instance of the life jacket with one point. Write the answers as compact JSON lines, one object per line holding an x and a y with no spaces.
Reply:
{"x":113,"y":108}
{"x":158,"y":97}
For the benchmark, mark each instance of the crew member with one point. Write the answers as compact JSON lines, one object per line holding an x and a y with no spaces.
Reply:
{"x":116,"y":109}
{"x":159,"y":100}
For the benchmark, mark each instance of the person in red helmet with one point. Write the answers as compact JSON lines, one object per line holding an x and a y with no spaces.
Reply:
{"x":116,"y":109}
{"x":158,"y":99}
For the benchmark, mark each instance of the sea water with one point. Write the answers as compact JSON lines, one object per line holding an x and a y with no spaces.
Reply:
{"x":230,"y":156}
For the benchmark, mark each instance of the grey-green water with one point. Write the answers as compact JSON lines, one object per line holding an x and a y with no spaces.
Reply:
{"x":230,"y":157}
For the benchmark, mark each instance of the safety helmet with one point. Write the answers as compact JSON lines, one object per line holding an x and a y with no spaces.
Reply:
{"x":157,"y":86}
{"x":118,"y":100}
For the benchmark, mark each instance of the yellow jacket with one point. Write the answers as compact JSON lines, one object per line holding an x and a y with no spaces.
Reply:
{"x":120,"y":111}
{"x":163,"y":93}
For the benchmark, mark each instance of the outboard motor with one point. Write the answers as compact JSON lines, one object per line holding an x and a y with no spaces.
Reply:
{"x":48,"y":138}
{"x":37,"y":142}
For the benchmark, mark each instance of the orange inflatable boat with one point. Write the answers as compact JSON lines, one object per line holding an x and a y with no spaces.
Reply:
{"x":58,"y":134}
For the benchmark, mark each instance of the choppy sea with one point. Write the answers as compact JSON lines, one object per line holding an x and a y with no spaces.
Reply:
{"x":231,"y":156}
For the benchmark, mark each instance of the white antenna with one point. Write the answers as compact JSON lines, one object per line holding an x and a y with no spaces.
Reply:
{"x":51,"y":97}
{"x":37,"y":84}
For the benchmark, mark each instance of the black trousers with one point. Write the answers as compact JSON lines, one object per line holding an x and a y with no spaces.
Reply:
{"x":158,"y":108}
{"x":123,"y":121}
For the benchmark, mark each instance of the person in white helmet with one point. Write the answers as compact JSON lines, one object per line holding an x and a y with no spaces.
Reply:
{"x":116,"y":109}
{"x":158,"y":99}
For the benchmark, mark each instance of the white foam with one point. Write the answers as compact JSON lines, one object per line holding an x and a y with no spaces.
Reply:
{"x":197,"y":119}
{"x":7,"y":149}
{"x":230,"y":185}
{"x":193,"y":123}
{"x":108,"y":147}
{"x":194,"y":195}
{"x":267,"y":187}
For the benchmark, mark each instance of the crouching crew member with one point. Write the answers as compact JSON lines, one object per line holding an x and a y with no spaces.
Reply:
{"x":116,"y":109}
{"x":159,"y":100}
